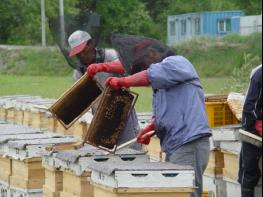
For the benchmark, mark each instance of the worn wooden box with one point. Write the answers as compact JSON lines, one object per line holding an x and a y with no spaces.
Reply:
{"x":103,"y":191}
{"x":27,"y":174}
{"x":10,"y":114}
{"x":2,"y":114}
{"x":19,"y":116}
{"x":76,"y":186}
{"x":110,"y":118}
{"x":123,"y":179}
{"x":231,"y":166}
{"x":154,"y":150}
{"x":53,"y":181}
{"x":216,"y":163}
{"x":76,"y":101}
{"x":80,"y":130}
{"x":5,"y":169}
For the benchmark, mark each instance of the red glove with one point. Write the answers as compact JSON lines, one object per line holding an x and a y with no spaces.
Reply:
{"x":109,"y":67}
{"x":144,"y":136}
{"x":258,"y":126}
{"x":138,"y":79}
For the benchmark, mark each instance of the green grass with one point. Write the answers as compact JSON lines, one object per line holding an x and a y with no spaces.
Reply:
{"x":53,"y":87}
{"x":217,"y":57}
{"x":48,"y":87}
{"x":34,"y":62}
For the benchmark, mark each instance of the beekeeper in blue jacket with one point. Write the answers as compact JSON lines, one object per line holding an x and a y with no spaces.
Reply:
{"x":180,"y":119}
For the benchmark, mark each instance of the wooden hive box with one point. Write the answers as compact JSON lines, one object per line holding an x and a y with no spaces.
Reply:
{"x":76,"y":101}
{"x":76,"y":186}
{"x":80,"y":130}
{"x":19,"y":116}
{"x":216,"y":163}
{"x":53,"y":182}
{"x":231,"y":167}
{"x":110,"y":118}
{"x":10,"y":114}
{"x":2,"y":114}
{"x":27,"y":174}
{"x":5,"y":169}
{"x":153,"y":179}
{"x":154,"y":150}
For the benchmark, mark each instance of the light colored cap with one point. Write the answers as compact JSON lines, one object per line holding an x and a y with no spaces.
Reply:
{"x":77,"y":41}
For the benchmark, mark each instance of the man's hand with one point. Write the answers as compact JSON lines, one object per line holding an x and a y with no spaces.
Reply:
{"x":138,"y":79}
{"x":109,"y":67}
{"x":144,"y":136}
{"x":116,"y":83}
{"x":93,"y":69}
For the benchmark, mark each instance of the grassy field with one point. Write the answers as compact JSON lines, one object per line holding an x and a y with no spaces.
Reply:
{"x":223,"y":64}
{"x":53,"y":87}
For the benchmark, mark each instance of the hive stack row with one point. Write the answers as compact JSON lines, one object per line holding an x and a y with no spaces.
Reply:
{"x":30,"y":168}
{"x":33,"y":111}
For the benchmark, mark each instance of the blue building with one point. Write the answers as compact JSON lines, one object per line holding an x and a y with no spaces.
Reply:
{"x":215,"y":23}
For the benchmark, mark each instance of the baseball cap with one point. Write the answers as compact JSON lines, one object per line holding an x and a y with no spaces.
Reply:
{"x":77,"y":41}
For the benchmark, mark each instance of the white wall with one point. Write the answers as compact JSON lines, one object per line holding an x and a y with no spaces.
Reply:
{"x":250,"y":24}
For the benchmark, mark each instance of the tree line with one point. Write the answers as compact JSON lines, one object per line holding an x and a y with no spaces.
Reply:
{"x":20,"y":20}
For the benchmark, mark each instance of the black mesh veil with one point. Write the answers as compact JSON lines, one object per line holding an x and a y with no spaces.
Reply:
{"x":89,"y":21}
{"x":134,"y":51}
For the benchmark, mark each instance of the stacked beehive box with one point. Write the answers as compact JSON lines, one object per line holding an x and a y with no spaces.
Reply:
{"x":22,"y":173}
{"x":119,"y":179}
{"x":230,"y":145}
{"x":68,"y":172}
{"x":33,"y":111}
{"x":154,"y":148}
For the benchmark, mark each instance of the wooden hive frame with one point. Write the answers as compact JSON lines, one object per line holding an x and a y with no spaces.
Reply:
{"x":76,"y":101}
{"x":110,"y":118}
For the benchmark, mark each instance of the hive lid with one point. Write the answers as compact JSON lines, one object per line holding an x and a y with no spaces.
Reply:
{"x":7,"y":129}
{"x":112,"y":166}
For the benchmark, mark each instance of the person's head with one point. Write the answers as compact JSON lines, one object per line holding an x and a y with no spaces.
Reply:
{"x":82,"y":47}
{"x":149,"y":52}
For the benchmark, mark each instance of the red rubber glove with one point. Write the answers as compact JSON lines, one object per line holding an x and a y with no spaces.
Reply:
{"x":258,"y":126}
{"x":109,"y":67}
{"x":138,"y":79}
{"x":144,"y":136}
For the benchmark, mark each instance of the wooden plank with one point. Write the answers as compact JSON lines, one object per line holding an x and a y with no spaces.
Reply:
{"x":231,"y":167}
{"x":154,"y":149}
{"x":216,"y":163}
{"x":77,"y":185}
{"x":19,"y":116}
{"x":80,"y":130}
{"x":103,"y":191}
{"x":2,"y":114}
{"x":48,"y":193}
{"x":10,"y":115}
{"x":6,"y":171}
{"x":53,"y":181}
{"x":28,"y":174}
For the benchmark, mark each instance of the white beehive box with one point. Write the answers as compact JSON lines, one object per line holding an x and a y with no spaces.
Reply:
{"x":142,"y":175}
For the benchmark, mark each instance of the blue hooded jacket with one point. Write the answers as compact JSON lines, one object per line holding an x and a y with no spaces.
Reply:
{"x":178,"y":103}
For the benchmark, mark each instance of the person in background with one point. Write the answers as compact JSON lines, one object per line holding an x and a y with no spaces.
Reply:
{"x":104,"y":61}
{"x":249,"y":171}
{"x":180,"y":119}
